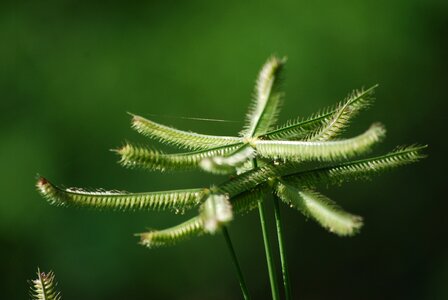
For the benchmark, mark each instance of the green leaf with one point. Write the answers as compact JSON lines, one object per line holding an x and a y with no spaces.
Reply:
{"x":321,"y":209}
{"x":143,"y":157}
{"x":170,"y":236}
{"x":265,"y":108}
{"x":44,"y":287}
{"x":355,"y":170}
{"x":177,"y":200}
{"x":179,"y":138}
{"x":320,"y":150}
{"x":328,"y":122}
{"x":228,"y":163}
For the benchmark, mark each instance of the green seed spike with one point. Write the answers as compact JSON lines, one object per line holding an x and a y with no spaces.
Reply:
{"x":320,"y":151}
{"x":334,"y":174}
{"x":170,"y":236}
{"x":229,"y":163}
{"x":179,"y":138}
{"x":320,"y":208}
{"x":44,"y":287}
{"x":355,"y":170}
{"x":142,"y":157}
{"x":265,"y":107}
{"x":340,"y":120}
{"x":339,"y":115}
{"x":177,"y":200}
{"x":216,"y":211}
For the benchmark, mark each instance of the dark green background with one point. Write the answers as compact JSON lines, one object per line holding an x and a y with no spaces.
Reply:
{"x":71,"y":70}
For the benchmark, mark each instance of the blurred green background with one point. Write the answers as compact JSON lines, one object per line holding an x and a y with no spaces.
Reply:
{"x":70,"y":70}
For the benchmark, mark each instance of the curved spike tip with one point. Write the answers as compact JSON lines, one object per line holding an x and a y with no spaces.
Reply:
{"x":42,"y":181}
{"x":42,"y":185}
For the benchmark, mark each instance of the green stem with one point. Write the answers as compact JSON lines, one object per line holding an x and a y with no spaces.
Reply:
{"x":237,"y":265}
{"x":267,"y":249}
{"x":281,"y":246}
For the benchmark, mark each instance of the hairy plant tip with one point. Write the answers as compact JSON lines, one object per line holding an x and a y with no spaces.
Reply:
{"x":132,"y":156}
{"x":48,"y":191}
{"x":216,"y":212}
{"x":320,"y":208}
{"x":267,"y":99}
{"x":321,"y":150}
{"x":179,"y":138}
{"x":357,"y":170}
{"x":146,"y":158}
{"x":326,"y":123}
{"x":175,"y":200}
{"x":42,"y":184}
{"x":44,"y":287}
{"x":170,"y":236}
{"x":229,"y":163}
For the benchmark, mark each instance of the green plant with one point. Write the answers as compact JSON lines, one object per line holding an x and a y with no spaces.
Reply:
{"x":44,"y":287}
{"x":265,"y":159}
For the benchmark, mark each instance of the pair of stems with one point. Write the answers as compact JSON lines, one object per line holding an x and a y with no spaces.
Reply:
{"x":281,"y":247}
{"x":267,"y":248}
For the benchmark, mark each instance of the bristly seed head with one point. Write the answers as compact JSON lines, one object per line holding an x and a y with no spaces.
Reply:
{"x":279,"y":153}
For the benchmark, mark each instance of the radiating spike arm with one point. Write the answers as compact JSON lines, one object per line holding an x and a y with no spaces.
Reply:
{"x":170,"y":236}
{"x":335,"y":174}
{"x":345,"y":112}
{"x":320,"y":151}
{"x":360,"y":169}
{"x":142,"y":157}
{"x":179,"y":138}
{"x":228,"y":163}
{"x":265,"y":108}
{"x":177,"y":200}
{"x":321,"y":209}
{"x":214,"y":211}
{"x":335,"y":118}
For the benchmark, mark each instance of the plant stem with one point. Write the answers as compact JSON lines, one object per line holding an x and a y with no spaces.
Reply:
{"x":267,"y":249}
{"x":281,"y":246}
{"x":237,"y":265}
